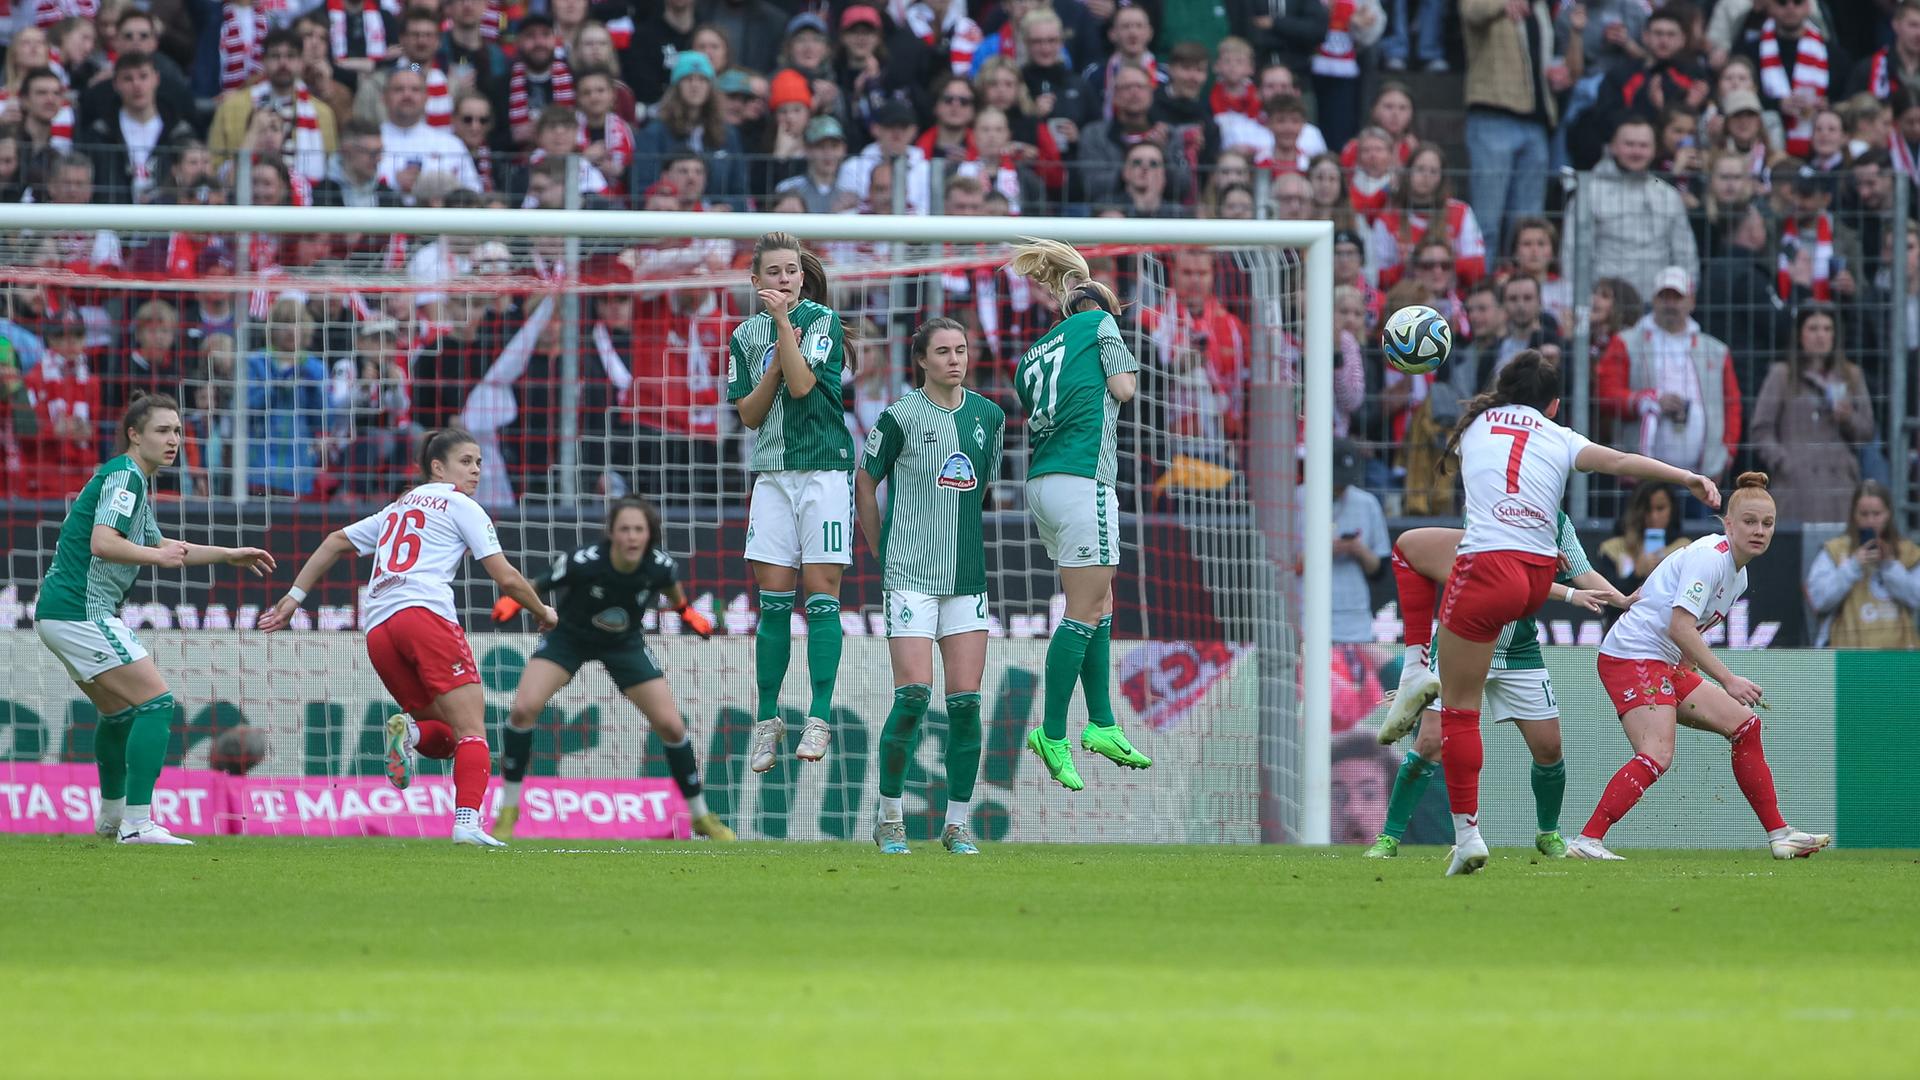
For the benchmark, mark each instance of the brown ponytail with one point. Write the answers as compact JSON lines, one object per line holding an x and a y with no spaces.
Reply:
{"x":1529,"y":379}
{"x":439,"y":445}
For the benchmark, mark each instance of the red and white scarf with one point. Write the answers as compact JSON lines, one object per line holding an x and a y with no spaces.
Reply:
{"x":1336,"y":58}
{"x":243,"y":41}
{"x":518,"y":107}
{"x":60,"y":133}
{"x":309,"y":158}
{"x":373,"y":29}
{"x":1809,"y":73}
{"x":48,"y":12}
{"x":1245,"y":101}
{"x":1882,"y":76}
{"x":618,"y":139}
{"x":1903,"y":160}
{"x":439,"y":99}
{"x":1822,"y":256}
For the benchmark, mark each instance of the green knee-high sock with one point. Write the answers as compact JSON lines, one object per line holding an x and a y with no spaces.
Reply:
{"x":1549,"y":788}
{"x":1409,"y":784}
{"x":110,"y":753}
{"x":772,"y":649}
{"x":823,"y":650}
{"x":147,"y":747}
{"x":1066,"y":654}
{"x":1096,"y":672}
{"x":900,"y":734}
{"x":963,"y":745}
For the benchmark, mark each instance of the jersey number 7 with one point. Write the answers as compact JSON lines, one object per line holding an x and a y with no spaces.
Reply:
{"x":1519,"y":437}
{"x":402,"y":528}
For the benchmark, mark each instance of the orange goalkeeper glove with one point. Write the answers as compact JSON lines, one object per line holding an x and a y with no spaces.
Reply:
{"x":696,"y":622}
{"x":506,"y":609}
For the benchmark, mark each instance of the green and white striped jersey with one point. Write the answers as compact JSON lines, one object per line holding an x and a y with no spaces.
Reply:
{"x":1518,"y":646}
{"x":938,"y":465}
{"x":80,"y":585}
{"x":1062,"y":381}
{"x":804,"y":433}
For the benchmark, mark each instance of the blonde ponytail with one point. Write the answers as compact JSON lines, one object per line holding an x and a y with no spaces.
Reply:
{"x":1063,"y":271}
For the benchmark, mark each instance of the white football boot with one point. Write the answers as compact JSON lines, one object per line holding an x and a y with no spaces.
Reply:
{"x":763,"y":753}
{"x":1419,"y":688}
{"x":813,"y":740}
{"x":1791,"y":843}
{"x":151,"y":832}
{"x":1586,"y":847}
{"x":1469,"y":854}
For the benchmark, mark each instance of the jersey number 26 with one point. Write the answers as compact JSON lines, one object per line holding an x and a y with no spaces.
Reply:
{"x":402,"y":527}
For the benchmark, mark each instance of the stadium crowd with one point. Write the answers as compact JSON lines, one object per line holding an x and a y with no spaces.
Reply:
{"x":1727,"y":171}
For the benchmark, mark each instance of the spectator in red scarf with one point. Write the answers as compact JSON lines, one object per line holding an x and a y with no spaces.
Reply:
{"x":950,"y":138}
{"x":1423,"y":208}
{"x":66,"y":403}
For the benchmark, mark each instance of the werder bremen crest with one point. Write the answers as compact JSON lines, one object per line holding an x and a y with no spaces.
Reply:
{"x":979,"y":435}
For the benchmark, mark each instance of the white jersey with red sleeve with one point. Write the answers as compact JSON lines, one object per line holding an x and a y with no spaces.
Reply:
{"x":1700,"y":578}
{"x":1514,"y":464}
{"x":418,"y":543}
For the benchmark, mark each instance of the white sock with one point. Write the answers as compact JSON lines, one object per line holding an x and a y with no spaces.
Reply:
{"x":1465,"y":825}
{"x":1416,"y":658}
{"x":113,"y":809}
{"x":890,"y":810}
{"x":697,"y":805}
{"x":1776,"y":834}
{"x":466,"y":817}
{"x":509,"y":793}
{"x":959,"y":813}
{"x":136,"y":816}
{"x":413,"y":733}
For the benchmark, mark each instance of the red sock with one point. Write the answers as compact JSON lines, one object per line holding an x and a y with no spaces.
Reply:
{"x":1754,"y":777}
{"x":436,"y":739}
{"x":1417,"y":596}
{"x":1623,"y":791}
{"x":471,"y":764}
{"x":1461,"y":755}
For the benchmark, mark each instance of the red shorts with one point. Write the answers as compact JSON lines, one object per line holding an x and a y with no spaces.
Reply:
{"x":1489,"y":589}
{"x":419,"y":657}
{"x":1633,"y":684}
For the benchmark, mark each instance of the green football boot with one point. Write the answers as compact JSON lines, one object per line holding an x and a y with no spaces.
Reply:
{"x":1111,"y":743}
{"x":1057,"y":756}
{"x":1386,"y":847}
{"x":1551,"y":844}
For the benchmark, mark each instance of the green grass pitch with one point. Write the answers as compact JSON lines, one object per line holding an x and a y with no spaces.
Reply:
{"x":255,"y":958}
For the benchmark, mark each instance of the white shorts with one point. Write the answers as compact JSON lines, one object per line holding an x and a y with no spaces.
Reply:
{"x":1518,"y":694}
{"x":89,"y":647}
{"x":923,"y":615}
{"x":801,"y":518}
{"x":1078,"y":519}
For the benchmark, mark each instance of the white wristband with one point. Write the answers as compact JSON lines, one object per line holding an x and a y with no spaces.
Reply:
{"x":298,"y":594}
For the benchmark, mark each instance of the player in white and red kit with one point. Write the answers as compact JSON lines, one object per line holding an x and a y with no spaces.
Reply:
{"x":1651,"y":662}
{"x":1514,"y":464}
{"x":419,"y":542}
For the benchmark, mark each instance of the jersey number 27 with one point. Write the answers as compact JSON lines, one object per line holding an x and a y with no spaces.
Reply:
{"x":1042,"y":379}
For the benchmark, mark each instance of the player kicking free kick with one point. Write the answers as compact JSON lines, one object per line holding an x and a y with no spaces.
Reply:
{"x":1072,"y":383}
{"x":938,"y":449}
{"x":1518,"y":686}
{"x":1651,"y":662}
{"x":414,"y":638}
{"x":108,"y":535}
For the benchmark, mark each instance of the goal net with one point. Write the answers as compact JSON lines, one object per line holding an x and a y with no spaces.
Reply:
{"x":588,"y":353}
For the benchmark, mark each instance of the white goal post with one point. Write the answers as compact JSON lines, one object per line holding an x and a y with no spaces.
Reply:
{"x":1271,"y":483}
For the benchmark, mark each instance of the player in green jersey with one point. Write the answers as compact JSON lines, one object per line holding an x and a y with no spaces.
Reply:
{"x":603,"y":592}
{"x":1518,"y":689}
{"x":1072,"y":383}
{"x":108,"y":535}
{"x":938,"y":449}
{"x":785,"y":367}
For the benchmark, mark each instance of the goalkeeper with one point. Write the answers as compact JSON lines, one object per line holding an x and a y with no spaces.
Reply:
{"x":602,"y":592}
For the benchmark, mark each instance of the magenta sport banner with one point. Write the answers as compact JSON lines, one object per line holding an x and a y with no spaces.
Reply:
{"x":39,"y":798}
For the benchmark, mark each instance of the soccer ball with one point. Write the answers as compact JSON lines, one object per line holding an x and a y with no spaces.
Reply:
{"x":1416,"y":340}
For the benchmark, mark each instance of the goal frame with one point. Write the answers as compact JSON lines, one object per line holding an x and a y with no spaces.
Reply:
{"x":1313,"y":239}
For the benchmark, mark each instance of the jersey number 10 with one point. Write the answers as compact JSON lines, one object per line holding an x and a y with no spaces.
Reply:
{"x":403,"y":529}
{"x":1043,"y":381}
